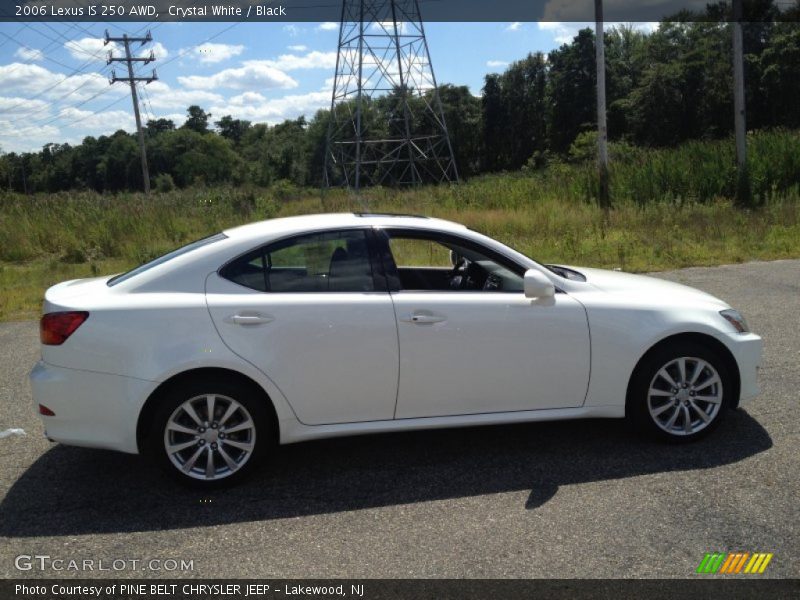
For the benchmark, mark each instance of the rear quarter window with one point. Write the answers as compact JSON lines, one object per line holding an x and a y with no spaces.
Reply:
{"x":166,"y":258}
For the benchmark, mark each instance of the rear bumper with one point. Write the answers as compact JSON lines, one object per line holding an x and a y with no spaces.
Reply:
{"x":747,"y":349}
{"x":94,"y":410}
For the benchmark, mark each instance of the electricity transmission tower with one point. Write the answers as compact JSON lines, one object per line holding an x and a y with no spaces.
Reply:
{"x":387,"y":125}
{"x":132,"y":80}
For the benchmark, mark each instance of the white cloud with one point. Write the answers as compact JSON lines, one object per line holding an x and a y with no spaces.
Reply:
{"x":255,"y":107}
{"x":261,"y":73}
{"x":215,"y":53}
{"x":29,"y":80}
{"x":95,"y":123}
{"x":90,"y":48}
{"x":496,"y":64}
{"x":253,"y":74}
{"x":328,"y":26}
{"x":292,"y":30}
{"x":157,"y":48}
{"x":162,"y":96}
{"x":26,"y":138}
{"x":563,"y":33}
{"x":21,"y":106}
{"x":311,"y":60}
{"x":515,"y":26}
{"x":248,"y":98}
{"x":31,"y":54}
{"x":388,"y":27}
{"x":298,"y":48}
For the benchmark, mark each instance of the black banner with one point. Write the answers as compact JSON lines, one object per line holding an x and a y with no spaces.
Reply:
{"x":331,"y":10}
{"x":373,"y":589}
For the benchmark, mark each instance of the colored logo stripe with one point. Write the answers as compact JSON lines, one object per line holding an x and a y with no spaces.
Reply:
{"x":734,"y":562}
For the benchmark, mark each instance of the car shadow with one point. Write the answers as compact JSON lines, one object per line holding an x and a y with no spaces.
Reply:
{"x":73,"y":491}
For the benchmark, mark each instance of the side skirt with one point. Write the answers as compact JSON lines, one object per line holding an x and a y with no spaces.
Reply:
{"x":292,"y":431}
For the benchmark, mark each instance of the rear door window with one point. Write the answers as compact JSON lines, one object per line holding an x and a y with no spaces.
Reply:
{"x":336,"y":261}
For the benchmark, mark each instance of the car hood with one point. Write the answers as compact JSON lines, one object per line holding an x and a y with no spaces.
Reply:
{"x":644,"y":287}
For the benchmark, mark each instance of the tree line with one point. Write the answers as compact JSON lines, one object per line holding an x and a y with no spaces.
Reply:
{"x":663,"y":88}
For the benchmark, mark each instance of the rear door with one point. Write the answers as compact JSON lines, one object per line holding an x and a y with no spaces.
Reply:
{"x":313,"y":314}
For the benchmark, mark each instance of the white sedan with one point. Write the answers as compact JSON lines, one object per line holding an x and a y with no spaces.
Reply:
{"x":318,"y":326}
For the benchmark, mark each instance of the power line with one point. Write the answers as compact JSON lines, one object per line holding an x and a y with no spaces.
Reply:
{"x":58,"y":116}
{"x":41,"y":52}
{"x":48,"y":121}
{"x":82,"y":119}
{"x":80,"y":70}
{"x":16,"y":33}
{"x":146,"y":97}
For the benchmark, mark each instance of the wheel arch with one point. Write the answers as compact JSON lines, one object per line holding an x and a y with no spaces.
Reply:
{"x":150,"y":407}
{"x":702,"y":339}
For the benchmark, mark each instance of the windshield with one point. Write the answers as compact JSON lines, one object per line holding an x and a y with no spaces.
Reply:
{"x":166,"y":258}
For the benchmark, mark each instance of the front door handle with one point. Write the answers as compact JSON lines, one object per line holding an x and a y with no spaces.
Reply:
{"x":250,"y":319}
{"x":424,"y":319}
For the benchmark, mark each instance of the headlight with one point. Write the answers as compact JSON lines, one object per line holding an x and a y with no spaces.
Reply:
{"x":734,"y":318}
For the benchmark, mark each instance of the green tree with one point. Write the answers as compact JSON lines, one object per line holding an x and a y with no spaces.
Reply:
{"x":462,"y":113}
{"x":779,"y":83}
{"x":197,"y":119}
{"x":120,"y":167}
{"x":572,"y":91}
{"x":495,"y":121}
{"x":156,"y":126}
{"x":232,"y":129}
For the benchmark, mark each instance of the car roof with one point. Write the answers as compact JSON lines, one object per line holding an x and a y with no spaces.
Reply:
{"x":309,"y":223}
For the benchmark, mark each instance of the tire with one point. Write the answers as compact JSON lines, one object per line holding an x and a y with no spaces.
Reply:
{"x":665,"y":403}
{"x":205,"y":452}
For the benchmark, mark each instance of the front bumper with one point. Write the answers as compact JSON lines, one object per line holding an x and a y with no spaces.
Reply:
{"x":747,"y":349}
{"x":94,"y":410}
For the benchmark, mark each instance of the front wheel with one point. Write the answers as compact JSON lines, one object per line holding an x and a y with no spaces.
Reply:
{"x":680,"y":392}
{"x":210,"y":434}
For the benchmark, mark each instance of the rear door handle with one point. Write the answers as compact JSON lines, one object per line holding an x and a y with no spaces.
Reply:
{"x":250,"y":319}
{"x":424,"y":319}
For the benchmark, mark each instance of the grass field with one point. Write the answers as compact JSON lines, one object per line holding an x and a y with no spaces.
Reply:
{"x":679,"y":215}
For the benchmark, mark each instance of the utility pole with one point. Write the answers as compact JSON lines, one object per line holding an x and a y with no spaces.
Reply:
{"x":602,"y":126}
{"x":129,"y":59}
{"x":24,"y":179}
{"x":740,"y":125}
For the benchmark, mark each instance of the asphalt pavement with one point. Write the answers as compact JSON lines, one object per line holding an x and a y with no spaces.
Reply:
{"x":569,"y":499}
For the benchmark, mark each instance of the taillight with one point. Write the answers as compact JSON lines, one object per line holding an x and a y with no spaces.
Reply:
{"x":55,"y":328}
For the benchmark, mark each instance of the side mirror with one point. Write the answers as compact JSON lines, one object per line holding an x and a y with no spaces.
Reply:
{"x":537,"y":285}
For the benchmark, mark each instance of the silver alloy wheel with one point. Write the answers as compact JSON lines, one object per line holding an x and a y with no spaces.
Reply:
{"x":210,"y":437}
{"x":685,"y":396}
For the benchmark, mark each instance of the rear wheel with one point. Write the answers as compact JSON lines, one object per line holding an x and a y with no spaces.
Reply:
{"x":211,"y":434}
{"x":680,"y":392}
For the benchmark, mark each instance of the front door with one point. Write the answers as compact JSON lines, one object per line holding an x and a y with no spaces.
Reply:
{"x":471,"y":342}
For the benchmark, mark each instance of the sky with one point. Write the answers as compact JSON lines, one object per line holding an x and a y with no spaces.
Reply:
{"x":54,"y":78}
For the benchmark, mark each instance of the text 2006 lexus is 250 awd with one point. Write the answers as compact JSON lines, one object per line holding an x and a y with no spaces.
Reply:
{"x":318,"y":326}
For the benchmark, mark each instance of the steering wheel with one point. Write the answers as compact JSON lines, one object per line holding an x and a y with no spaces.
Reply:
{"x":458,"y":276}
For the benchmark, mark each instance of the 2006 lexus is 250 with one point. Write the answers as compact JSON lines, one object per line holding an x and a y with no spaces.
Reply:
{"x":318,"y":326}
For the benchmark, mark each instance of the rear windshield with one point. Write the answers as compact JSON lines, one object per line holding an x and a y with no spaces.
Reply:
{"x":166,"y":258}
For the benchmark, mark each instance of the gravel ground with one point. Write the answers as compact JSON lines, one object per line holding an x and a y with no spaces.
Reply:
{"x":571,"y":499}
